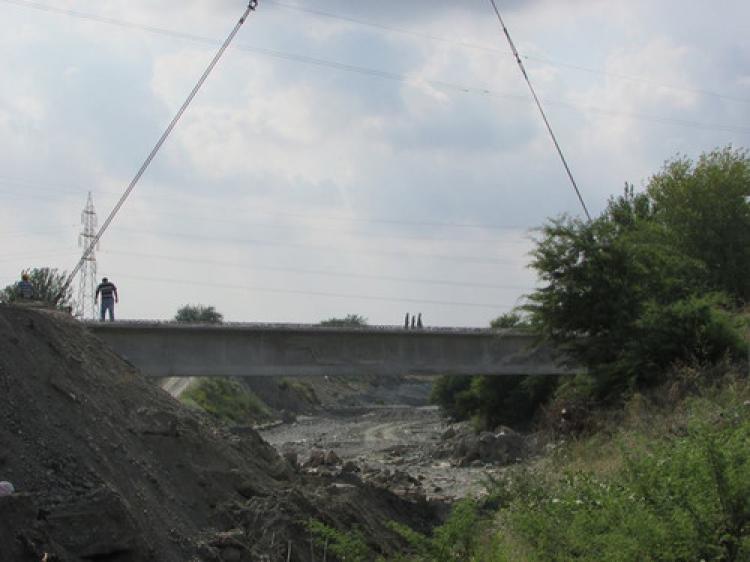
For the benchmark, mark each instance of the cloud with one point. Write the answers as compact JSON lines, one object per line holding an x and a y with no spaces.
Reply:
{"x":291,"y":164}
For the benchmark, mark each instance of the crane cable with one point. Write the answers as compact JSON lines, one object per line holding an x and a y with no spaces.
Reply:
{"x":539,"y":105}
{"x":252,"y":5}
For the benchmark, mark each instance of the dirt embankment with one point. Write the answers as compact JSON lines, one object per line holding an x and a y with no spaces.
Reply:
{"x":106,"y":466}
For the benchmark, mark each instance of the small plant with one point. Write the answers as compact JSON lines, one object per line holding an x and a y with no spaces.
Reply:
{"x":348,"y":546}
{"x":457,"y":539}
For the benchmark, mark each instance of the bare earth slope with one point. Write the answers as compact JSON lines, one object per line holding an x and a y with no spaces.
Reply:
{"x":109,"y":467}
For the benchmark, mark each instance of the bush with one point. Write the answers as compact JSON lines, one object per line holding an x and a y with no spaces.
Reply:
{"x":695,"y":329}
{"x":455,"y":396}
{"x":48,"y":287}
{"x":226,"y":400}
{"x":457,"y":539}
{"x":349,"y":321}
{"x":679,"y":498}
{"x":349,"y":546}
{"x":199,"y":313}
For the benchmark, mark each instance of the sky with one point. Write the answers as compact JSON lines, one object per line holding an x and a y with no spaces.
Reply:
{"x":370,"y":158}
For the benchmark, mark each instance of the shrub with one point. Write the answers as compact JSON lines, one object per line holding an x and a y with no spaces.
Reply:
{"x":226,"y":400}
{"x":457,"y":539}
{"x":349,"y":546}
{"x":455,"y":396}
{"x":679,"y":498}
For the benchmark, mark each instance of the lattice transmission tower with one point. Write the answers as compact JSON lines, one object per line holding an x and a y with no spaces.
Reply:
{"x":85,"y":308}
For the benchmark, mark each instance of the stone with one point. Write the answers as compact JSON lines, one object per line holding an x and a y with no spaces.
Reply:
{"x":350,"y":467}
{"x":292,"y":458}
{"x":317,"y":458}
{"x":332,"y":459}
{"x":6,"y":488}
{"x":231,"y":554}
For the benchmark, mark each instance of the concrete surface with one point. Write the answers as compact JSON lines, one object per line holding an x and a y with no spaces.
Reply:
{"x":170,"y":349}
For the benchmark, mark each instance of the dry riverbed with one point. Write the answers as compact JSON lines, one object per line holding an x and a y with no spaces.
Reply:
{"x":391,"y":445}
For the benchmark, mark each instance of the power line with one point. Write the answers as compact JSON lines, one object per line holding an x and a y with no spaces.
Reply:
{"x":324,"y":248}
{"x":383,"y":74}
{"x":539,"y":105}
{"x":256,"y":267}
{"x":95,"y":240}
{"x":493,"y":306}
{"x":489,"y":49}
{"x":637,"y":79}
{"x":61,"y":253}
{"x":332,"y":218}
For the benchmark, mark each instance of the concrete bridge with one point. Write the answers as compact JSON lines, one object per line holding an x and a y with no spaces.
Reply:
{"x":171,"y":349}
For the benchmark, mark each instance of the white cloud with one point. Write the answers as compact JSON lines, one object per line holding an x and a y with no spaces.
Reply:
{"x":285,"y":165}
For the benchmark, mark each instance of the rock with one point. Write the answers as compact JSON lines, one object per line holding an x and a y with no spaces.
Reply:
{"x":449,"y":433}
{"x":231,"y":554}
{"x":332,"y":459}
{"x":6,"y":488}
{"x":287,"y":416}
{"x":350,"y":467}
{"x":317,"y":458}
{"x":292,"y":458}
{"x":247,"y":489}
{"x":96,"y":526}
{"x":208,"y":553}
{"x":501,"y":447}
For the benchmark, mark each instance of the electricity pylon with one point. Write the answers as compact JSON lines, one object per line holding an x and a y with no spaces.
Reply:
{"x":85,"y":308}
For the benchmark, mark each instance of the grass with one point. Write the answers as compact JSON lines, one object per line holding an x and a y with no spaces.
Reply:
{"x":664,"y":477}
{"x":226,"y":400}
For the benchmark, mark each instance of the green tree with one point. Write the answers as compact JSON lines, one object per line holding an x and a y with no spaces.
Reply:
{"x":48,"y":285}
{"x":705,"y":206}
{"x":616,"y":283}
{"x":350,"y":320}
{"x":515,"y":319}
{"x":199,"y":314}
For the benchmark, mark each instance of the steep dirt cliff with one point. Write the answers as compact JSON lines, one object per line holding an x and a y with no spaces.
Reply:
{"x":106,"y":466}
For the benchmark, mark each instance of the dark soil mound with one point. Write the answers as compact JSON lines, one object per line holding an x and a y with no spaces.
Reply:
{"x":108,"y":467}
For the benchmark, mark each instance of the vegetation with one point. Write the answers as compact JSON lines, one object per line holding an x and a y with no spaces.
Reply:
{"x":349,"y":546}
{"x":303,"y":389}
{"x":666,"y":478}
{"x":48,"y":287}
{"x":649,"y":298}
{"x":457,"y":539}
{"x":656,"y":280}
{"x":349,"y":320}
{"x":226,"y":400}
{"x":492,"y":401}
{"x":199,"y":313}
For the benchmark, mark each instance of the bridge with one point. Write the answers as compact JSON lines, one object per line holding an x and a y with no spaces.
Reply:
{"x":171,"y":349}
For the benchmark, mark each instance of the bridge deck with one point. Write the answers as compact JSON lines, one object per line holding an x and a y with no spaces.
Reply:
{"x":169,"y":349}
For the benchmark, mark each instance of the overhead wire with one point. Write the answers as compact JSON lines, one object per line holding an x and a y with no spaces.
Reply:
{"x":319,"y":272}
{"x":309,"y":216}
{"x":326,"y":248}
{"x":490,"y":49}
{"x":102,"y":229}
{"x":539,"y":106}
{"x":258,"y":289}
{"x":383,"y":74}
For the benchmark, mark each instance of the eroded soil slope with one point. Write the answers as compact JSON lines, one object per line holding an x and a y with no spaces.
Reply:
{"x":108,"y":467}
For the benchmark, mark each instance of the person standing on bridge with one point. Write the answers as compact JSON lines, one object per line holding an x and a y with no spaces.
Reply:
{"x":109,"y":298}
{"x":24,"y":288}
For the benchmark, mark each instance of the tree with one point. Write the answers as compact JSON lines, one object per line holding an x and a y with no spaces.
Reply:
{"x":515,"y":319}
{"x":706,"y":208}
{"x":351,"y":320}
{"x":616,"y":283}
{"x":48,"y":287}
{"x":199,"y":313}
